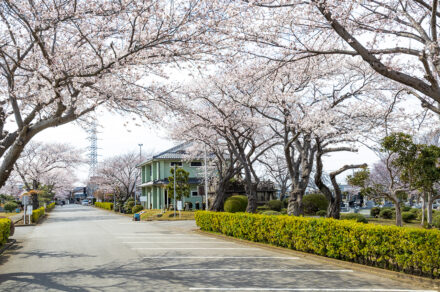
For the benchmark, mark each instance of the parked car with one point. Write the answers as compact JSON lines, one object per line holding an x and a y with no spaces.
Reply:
{"x":85,"y":202}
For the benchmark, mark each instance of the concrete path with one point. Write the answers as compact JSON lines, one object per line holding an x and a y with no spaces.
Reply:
{"x":80,"y":248}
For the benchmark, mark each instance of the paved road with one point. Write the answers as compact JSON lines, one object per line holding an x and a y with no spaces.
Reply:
{"x":84,"y":249}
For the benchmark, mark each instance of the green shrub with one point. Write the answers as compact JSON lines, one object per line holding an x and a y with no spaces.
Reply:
{"x":375,"y":211}
{"x":235,"y":204}
{"x":410,"y":250}
{"x":406,"y":209}
{"x":128,"y":205}
{"x":262,"y":208}
{"x":271,"y":212}
{"x":284,"y":211}
{"x":275,"y":205}
{"x":354,"y":216}
{"x":10,"y":206}
{"x":37,"y":214}
{"x":285,"y":202}
{"x":137,"y":208}
{"x":104,"y":205}
{"x":386,"y":214}
{"x":312,"y":203}
{"x":408,"y":216}
{"x":321,"y":213}
{"x":415,"y":210}
{"x":5,"y":229}
{"x":436,"y":221}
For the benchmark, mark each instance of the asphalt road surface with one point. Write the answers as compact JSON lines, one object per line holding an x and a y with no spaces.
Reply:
{"x":81,"y":248}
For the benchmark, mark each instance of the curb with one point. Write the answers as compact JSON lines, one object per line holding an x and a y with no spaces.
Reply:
{"x":411,"y":279}
{"x":7,"y":245}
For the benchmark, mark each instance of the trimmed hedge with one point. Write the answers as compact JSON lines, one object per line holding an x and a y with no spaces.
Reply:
{"x":37,"y":214}
{"x":104,"y":205}
{"x":410,"y":250}
{"x":50,"y":207}
{"x":5,"y":228}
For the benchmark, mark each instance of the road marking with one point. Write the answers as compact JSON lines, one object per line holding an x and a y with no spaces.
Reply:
{"x":211,"y":257}
{"x":147,"y":234}
{"x":184,"y":248}
{"x":148,"y":237}
{"x":260,"y":270}
{"x":215,"y":242}
{"x":312,"y":289}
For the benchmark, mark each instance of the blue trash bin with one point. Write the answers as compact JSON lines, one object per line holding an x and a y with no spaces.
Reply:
{"x":137,"y":217}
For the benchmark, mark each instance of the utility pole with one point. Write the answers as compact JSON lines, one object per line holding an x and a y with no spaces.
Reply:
{"x":140,"y":172}
{"x":174,"y":190}
{"x":206,"y":181}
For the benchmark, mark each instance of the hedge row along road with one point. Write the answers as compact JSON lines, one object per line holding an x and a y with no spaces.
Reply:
{"x":82,"y":248}
{"x":410,"y":250}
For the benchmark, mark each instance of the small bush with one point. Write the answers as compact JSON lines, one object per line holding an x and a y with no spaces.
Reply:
{"x":406,"y":209}
{"x":285,"y":202}
{"x":284,"y":211}
{"x":235,"y":204}
{"x":128,"y":206}
{"x":354,"y":216}
{"x":321,"y":213}
{"x":386,"y":214}
{"x":137,"y":208}
{"x":375,"y":211}
{"x":414,"y":210}
{"x":275,"y":205}
{"x":271,"y":213}
{"x":312,"y":203}
{"x":436,"y":221}
{"x":408,"y":216}
{"x":10,"y":206}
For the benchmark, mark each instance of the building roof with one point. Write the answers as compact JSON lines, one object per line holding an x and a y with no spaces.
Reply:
{"x":178,"y":152}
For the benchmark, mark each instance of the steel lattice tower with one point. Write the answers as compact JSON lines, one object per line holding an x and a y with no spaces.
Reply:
{"x":93,"y":149}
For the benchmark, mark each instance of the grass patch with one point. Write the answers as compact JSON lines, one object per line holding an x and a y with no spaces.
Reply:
{"x":7,"y":215}
{"x":392,"y":222}
{"x":158,"y":215}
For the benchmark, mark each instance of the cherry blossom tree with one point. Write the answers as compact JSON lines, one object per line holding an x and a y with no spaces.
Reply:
{"x":60,"y":60}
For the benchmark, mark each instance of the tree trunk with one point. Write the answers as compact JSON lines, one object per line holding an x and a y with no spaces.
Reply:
{"x":398,"y":213}
{"x":219,"y":200}
{"x":251,"y":191}
{"x":334,"y":207}
{"x":295,"y":206}
{"x":429,"y":210}
{"x":423,"y":210}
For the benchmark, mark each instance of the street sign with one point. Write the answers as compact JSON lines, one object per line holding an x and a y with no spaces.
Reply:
{"x":179,"y":205}
{"x":29,"y":209}
{"x":25,"y":200}
{"x":143,"y":198}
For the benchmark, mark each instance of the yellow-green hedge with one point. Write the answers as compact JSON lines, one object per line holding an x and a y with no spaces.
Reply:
{"x":411,"y":250}
{"x":37,"y":214}
{"x":50,"y":207}
{"x":104,"y":205}
{"x":5,"y":228}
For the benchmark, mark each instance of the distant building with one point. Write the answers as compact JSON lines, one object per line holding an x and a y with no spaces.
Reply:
{"x":78,"y":194}
{"x":155,"y":173}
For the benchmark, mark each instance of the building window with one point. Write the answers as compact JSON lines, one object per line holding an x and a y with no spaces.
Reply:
{"x":196,"y":163}
{"x":176,"y":163}
{"x":194,"y":194}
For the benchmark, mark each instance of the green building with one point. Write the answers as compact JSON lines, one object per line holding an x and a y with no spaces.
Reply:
{"x":155,"y":173}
